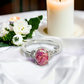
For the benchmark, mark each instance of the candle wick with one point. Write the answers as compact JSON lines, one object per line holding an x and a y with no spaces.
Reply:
{"x":60,"y":0}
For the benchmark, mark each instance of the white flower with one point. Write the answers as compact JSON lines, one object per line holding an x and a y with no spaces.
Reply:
{"x":21,"y":27}
{"x":34,"y":33}
{"x":1,"y":35}
{"x":18,"y":40}
{"x":3,"y":31}
{"x":11,"y":28}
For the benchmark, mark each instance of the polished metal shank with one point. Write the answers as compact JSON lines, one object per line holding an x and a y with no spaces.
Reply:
{"x":56,"y":50}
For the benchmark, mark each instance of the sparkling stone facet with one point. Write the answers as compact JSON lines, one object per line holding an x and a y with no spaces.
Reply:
{"x":42,"y":56}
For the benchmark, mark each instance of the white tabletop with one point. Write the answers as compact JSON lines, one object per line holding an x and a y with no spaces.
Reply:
{"x":30,"y":14}
{"x":23,"y":15}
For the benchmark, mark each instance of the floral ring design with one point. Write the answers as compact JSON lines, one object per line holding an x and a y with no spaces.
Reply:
{"x":42,"y":54}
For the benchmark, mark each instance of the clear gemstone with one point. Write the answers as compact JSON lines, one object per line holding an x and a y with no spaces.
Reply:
{"x":42,"y":56}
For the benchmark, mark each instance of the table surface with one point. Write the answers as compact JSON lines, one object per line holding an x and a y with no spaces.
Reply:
{"x":30,"y":14}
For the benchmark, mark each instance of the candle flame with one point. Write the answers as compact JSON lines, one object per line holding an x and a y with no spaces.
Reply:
{"x":15,"y":18}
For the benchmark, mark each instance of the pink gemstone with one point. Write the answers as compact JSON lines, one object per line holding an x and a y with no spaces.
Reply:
{"x":42,"y":56}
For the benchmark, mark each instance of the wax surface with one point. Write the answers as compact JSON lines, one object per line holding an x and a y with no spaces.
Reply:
{"x":60,"y":18}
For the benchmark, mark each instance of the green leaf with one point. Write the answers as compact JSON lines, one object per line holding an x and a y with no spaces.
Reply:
{"x":16,"y":39}
{"x":25,"y":19}
{"x":7,"y":29}
{"x":35,"y":24}
{"x":0,"y":38}
{"x":40,"y":17}
{"x":12,"y":24}
{"x":8,"y":38}
{"x":2,"y":44}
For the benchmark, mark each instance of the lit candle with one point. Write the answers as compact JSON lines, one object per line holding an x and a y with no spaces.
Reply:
{"x":13,"y":19}
{"x":60,"y":14}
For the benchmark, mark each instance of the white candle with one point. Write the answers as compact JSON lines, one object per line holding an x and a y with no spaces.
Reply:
{"x":60,"y":14}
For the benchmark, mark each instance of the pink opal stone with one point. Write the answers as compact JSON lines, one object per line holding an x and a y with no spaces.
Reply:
{"x":42,"y":57}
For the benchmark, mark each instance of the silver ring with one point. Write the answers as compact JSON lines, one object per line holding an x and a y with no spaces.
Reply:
{"x":42,"y":54}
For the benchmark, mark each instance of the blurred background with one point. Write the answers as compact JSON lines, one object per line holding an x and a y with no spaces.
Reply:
{"x":17,"y":6}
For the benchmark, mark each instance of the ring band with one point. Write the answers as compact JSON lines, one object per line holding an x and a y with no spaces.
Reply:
{"x":41,"y":54}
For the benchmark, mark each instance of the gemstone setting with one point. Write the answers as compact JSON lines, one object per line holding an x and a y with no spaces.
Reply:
{"x":41,"y":56}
